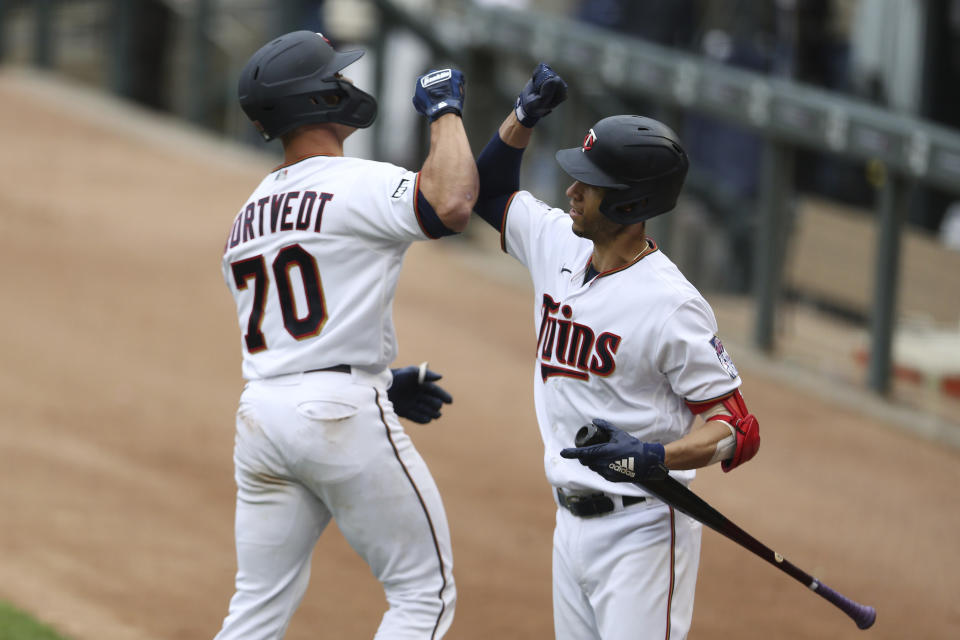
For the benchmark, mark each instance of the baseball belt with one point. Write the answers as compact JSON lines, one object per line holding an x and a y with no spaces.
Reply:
{"x":337,"y":368}
{"x":594,"y":504}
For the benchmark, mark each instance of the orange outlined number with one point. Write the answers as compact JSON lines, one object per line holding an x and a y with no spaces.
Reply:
{"x":300,"y":327}
{"x":316,"y":313}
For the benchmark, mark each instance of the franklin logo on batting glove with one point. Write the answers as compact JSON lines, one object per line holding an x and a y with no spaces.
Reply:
{"x":439,"y":92}
{"x":435,"y":77}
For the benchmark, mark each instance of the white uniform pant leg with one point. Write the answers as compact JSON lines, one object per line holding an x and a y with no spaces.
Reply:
{"x":331,"y":446}
{"x":391,"y":513}
{"x":277,"y":524}
{"x":628,"y":575}
{"x":573,"y":617}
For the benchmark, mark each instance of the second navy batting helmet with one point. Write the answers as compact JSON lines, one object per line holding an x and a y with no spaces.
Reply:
{"x":638,"y":160}
{"x":295,"y":80}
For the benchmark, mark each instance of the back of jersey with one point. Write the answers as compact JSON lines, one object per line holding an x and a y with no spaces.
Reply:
{"x":313,"y":259}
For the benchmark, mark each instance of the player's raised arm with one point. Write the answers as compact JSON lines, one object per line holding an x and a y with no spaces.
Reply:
{"x":499,"y":162}
{"x":448,"y":178}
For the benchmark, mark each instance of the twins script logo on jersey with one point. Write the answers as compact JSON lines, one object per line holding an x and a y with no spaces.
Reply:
{"x":725,"y":360}
{"x":572,"y":349}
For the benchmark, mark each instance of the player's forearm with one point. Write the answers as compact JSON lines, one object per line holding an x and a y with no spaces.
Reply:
{"x":697,"y":448}
{"x":448,"y":178}
{"x":515,"y":134}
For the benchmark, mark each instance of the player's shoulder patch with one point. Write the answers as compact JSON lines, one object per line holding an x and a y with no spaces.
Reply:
{"x":401,"y":186}
{"x":725,"y":360}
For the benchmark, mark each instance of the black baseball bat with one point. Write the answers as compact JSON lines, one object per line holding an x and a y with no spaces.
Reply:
{"x":683,"y":499}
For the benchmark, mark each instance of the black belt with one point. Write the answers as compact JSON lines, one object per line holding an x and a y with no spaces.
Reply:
{"x":338,"y":368}
{"x":594,"y":504}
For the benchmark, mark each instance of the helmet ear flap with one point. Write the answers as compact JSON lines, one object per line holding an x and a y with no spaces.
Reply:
{"x":626,"y":207}
{"x":358,"y":109}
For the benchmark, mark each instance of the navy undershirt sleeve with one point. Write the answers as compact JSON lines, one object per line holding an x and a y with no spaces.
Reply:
{"x":499,"y":168}
{"x":430,"y":222}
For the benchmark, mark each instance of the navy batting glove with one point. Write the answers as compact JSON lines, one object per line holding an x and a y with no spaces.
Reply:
{"x":622,"y":458}
{"x":544,"y":91}
{"x":439,"y":92}
{"x":416,"y":400}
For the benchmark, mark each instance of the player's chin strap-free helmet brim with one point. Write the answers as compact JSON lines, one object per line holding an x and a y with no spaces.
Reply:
{"x":638,"y":160}
{"x":294,"y":80}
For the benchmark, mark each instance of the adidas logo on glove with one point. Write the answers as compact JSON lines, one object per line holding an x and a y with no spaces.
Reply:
{"x":624,"y":466}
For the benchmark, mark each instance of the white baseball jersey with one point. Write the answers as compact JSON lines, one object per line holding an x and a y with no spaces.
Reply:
{"x":354,"y":217}
{"x":631,"y":346}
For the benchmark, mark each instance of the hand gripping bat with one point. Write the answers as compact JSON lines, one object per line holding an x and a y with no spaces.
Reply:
{"x":683,"y":499}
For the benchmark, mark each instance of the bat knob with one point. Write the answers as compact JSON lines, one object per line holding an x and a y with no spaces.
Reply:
{"x":588,"y":435}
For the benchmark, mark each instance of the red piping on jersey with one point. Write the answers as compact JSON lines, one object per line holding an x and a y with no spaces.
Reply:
{"x":503,"y":224}
{"x":651,"y":247}
{"x":302,"y":158}
{"x":416,"y":208}
{"x":673,"y":559}
{"x":423,"y":505}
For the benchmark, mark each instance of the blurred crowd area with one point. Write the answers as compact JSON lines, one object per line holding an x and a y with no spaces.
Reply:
{"x":903,"y":55}
{"x":183,"y":57}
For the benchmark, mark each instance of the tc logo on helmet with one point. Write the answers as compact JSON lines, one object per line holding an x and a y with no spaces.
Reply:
{"x":588,"y":141}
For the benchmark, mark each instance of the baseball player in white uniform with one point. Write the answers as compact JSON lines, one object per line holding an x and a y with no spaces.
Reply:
{"x":312,"y":260}
{"x":625,"y":342}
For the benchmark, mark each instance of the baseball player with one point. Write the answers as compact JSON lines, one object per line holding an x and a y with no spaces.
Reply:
{"x":312,"y":261}
{"x":624,"y":342}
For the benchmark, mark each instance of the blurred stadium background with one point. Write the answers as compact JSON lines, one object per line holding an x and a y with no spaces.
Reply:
{"x":821,"y":220}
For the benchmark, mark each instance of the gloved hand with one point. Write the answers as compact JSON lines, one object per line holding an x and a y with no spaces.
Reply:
{"x":439,"y":92}
{"x":622,"y":458}
{"x":414,"y":397}
{"x":544,"y":91}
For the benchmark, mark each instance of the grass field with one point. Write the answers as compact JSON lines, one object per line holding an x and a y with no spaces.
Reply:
{"x":17,"y":625}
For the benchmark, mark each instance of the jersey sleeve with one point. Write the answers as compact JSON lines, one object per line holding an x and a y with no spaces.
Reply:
{"x":392,"y":208}
{"x":692,"y":357}
{"x":528,"y":220}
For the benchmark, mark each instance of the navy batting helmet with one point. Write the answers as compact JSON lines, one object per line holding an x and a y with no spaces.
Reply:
{"x":294,"y":80}
{"x":638,"y":160}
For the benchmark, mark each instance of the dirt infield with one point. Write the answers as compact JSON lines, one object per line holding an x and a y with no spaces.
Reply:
{"x":121,"y":371}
